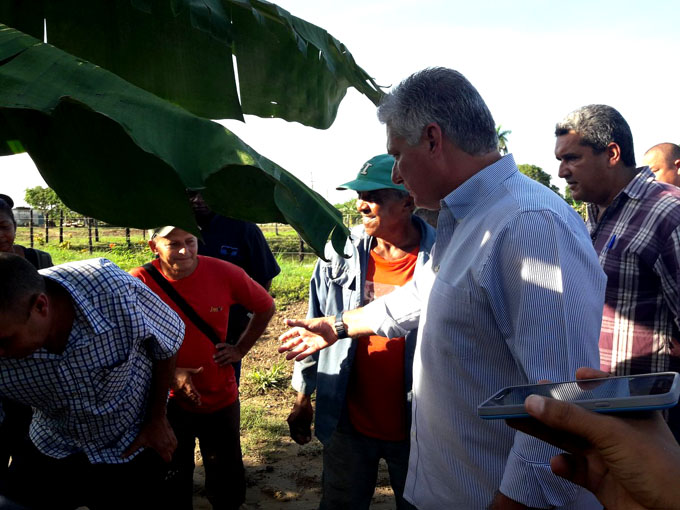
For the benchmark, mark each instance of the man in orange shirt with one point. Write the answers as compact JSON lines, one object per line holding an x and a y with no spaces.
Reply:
{"x":363,"y":388}
{"x":204,"y":402}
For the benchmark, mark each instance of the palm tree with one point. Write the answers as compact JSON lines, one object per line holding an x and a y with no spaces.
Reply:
{"x":502,"y":135}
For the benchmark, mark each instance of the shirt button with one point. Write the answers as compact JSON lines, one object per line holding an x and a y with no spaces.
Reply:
{"x":436,"y":268}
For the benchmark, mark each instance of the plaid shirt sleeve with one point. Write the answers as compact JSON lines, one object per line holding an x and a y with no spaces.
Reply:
{"x":166,"y":329}
{"x":668,"y":269}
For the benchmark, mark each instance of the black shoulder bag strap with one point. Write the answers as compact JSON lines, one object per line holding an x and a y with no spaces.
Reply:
{"x":183,"y":305}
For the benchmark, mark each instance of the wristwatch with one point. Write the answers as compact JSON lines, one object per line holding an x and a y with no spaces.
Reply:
{"x":340,"y":328}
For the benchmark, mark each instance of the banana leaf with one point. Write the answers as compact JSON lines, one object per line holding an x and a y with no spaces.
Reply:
{"x":116,"y":152}
{"x":181,"y":50}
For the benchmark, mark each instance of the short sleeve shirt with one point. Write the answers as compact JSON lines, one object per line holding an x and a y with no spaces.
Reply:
{"x":92,"y":398}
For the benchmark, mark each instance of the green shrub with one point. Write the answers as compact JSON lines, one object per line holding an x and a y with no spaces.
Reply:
{"x":263,"y":379}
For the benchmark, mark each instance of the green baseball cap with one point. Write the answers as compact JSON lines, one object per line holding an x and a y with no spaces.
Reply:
{"x":375,"y":174}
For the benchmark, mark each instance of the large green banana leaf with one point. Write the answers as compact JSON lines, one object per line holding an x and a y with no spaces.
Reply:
{"x":181,"y":50}
{"x":116,"y":152}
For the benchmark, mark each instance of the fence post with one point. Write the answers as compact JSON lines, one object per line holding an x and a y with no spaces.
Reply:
{"x":127,"y":237}
{"x":47,"y":228}
{"x":61,"y":227}
{"x":89,"y":233}
{"x":31,"y":225}
{"x":96,"y":230}
{"x":302,"y":247}
{"x":276,"y":228}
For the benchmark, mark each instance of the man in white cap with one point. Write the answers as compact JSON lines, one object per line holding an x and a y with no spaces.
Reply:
{"x":204,"y":402}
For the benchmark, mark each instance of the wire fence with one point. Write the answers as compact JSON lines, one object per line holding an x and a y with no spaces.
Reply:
{"x":36,"y":228}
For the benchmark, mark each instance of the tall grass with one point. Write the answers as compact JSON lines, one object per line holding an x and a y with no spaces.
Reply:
{"x":292,"y":284}
{"x":123,"y":257}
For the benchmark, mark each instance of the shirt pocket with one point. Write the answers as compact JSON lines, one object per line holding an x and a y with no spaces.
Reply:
{"x":111,"y":382}
{"x":450,"y":327}
{"x":343,"y":291}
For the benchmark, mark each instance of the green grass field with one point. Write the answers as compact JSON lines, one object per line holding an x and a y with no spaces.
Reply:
{"x":290,"y":286}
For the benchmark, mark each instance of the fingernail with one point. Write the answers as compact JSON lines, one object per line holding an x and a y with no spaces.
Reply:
{"x":535,"y":404}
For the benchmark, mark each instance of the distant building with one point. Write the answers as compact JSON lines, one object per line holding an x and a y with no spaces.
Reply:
{"x":23,"y":217}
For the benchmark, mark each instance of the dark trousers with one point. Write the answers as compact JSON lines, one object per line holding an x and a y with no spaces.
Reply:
{"x":350,"y":469}
{"x":219,"y":440}
{"x":37,"y":481}
{"x":13,"y":431}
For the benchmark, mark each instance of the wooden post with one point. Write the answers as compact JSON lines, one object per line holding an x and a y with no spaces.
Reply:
{"x":89,"y":233}
{"x":276,"y":228}
{"x":61,"y":226}
{"x":302,"y":247}
{"x":47,"y":228}
{"x":96,"y":230}
{"x":30,"y":220}
{"x":127,"y":237}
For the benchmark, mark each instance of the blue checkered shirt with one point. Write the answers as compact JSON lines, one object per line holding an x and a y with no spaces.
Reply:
{"x":92,"y":398}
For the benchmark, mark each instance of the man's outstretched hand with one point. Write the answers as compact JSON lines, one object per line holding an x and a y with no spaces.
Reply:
{"x":307,"y":336}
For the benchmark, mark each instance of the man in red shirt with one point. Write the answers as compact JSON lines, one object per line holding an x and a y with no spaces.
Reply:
{"x":204,"y":402}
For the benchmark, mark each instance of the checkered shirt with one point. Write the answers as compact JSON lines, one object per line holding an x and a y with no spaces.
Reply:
{"x":638,"y":243}
{"x":92,"y":398}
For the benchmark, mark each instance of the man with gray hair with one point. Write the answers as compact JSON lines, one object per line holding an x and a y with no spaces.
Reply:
{"x":512,"y":296}
{"x":664,"y":160}
{"x":634,"y":222}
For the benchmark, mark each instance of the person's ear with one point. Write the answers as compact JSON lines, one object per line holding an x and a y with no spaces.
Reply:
{"x":677,"y":165}
{"x":41,"y":305}
{"x":409,"y":204}
{"x":434,"y":138}
{"x":613,"y":153}
{"x":152,"y":245}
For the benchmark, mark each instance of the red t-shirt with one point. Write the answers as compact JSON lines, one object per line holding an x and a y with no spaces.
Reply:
{"x":210,"y":290}
{"x":375,"y":397}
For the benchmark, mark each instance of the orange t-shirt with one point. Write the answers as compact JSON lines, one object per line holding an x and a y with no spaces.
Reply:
{"x":210,"y":290}
{"x":375,"y":397}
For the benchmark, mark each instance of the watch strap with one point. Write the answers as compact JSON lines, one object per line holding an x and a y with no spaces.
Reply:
{"x":340,"y":328}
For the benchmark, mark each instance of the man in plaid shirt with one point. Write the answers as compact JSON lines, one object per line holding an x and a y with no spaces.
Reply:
{"x":92,"y":350}
{"x":634,"y":222}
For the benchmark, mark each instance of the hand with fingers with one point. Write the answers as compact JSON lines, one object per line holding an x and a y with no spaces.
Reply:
{"x":226,"y":354}
{"x":630,"y":461}
{"x":183,"y":384}
{"x":307,"y":336}
{"x":300,"y":419}
{"x":157,"y":434}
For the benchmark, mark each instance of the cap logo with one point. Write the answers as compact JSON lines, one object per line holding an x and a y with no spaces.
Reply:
{"x":364,"y":169}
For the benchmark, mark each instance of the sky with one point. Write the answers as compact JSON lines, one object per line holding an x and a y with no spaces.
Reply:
{"x":533,"y":61}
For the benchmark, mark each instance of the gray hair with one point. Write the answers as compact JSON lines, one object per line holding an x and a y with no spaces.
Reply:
{"x":599,"y":125}
{"x":443,"y":96}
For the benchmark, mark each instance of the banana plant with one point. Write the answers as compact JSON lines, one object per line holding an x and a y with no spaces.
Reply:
{"x":115,"y":110}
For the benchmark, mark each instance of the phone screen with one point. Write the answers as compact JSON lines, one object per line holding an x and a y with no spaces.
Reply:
{"x":592,"y":389}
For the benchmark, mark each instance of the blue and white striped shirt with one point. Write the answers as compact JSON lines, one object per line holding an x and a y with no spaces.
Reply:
{"x":514,"y":295}
{"x":92,"y":398}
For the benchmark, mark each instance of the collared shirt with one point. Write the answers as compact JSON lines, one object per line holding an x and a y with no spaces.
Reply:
{"x":638,"y":242}
{"x":337,"y":284}
{"x":514,"y":295}
{"x":92,"y":398}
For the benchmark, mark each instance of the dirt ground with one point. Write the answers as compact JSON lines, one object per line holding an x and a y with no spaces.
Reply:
{"x":289,"y":477}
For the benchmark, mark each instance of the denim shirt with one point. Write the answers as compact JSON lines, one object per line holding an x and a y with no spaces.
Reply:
{"x":338,"y":285}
